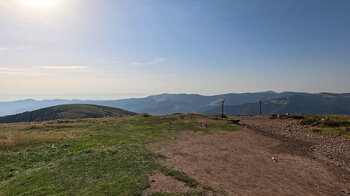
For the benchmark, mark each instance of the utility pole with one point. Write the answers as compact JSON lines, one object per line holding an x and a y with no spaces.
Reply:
{"x":222,"y":108}
{"x":31,"y":116}
{"x":260,"y":106}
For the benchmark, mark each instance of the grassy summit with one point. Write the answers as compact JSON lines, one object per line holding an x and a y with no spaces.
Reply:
{"x":69,"y":111}
{"x":106,"y":156}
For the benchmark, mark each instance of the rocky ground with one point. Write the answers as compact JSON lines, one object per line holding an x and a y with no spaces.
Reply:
{"x":265,"y":157}
{"x":333,"y":150}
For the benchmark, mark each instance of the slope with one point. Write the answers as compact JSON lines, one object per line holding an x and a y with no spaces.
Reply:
{"x":69,"y":111}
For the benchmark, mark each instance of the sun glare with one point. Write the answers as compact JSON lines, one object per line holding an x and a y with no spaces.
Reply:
{"x":41,"y":3}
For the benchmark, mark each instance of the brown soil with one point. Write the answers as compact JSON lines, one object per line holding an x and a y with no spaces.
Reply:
{"x":269,"y":157}
{"x":161,"y":183}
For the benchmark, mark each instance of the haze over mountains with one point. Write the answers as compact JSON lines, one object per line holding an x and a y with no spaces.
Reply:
{"x":323,"y":103}
{"x":236,"y":103}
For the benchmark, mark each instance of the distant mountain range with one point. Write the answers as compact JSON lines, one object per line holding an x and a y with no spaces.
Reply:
{"x":155,"y":104}
{"x":323,"y":103}
{"x":70,"y":111}
{"x":235,"y":103}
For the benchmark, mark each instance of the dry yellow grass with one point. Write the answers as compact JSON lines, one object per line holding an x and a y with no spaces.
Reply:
{"x":79,"y":133}
{"x":38,"y":133}
{"x":111,"y":149}
{"x":20,"y":140}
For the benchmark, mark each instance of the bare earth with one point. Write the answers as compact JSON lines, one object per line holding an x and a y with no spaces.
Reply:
{"x":265,"y":157}
{"x":162,"y":183}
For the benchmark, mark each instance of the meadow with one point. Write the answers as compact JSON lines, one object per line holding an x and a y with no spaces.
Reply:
{"x":106,"y":156}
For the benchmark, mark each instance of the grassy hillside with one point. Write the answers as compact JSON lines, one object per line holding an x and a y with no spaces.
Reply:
{"x":71,"y":111}
{"x":323,"y":103}
{"x":107,"y":156}
{"x":332,"y":124}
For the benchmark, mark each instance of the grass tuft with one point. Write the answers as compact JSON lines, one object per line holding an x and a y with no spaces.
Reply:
{"x":179,"y":175}
{"x":338,"y":125}
{"x":213,"y":127}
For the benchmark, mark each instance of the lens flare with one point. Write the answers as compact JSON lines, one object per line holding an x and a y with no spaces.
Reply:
{"x":41,"y":3}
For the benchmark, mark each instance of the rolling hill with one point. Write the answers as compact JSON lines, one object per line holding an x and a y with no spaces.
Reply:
{"x":323,"y":103}
{"x":155,"y":104}
{"x":184,"y":103}
{"x":69,"y":111}
{"x":236,"y":103}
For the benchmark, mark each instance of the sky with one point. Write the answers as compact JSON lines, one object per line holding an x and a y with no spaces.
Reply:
{"x":110,"y":49}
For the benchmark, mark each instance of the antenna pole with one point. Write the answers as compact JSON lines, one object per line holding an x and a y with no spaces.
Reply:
{"x":222,"y":108}
{"x":260,"y":106}
{"x":31,"y":116}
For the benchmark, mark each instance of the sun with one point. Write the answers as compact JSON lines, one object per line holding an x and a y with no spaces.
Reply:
{"x":41,"y":3}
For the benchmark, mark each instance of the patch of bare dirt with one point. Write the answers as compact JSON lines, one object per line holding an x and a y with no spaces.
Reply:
{"x":255,"y":162}
{"x":334,"y":151}
{"x":161,"y":183}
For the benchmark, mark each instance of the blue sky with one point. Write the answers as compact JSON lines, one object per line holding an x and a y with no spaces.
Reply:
{"x":105,"y":49}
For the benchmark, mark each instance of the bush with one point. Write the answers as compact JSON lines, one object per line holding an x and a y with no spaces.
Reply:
{"x":316,"y":130}
{"x":297,"y":116}
{"x":145,"y":115}
{"x":234,"y":121}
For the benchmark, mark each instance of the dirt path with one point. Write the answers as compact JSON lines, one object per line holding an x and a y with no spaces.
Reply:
{"x":249,"y":162}
{"x":333,"y":151}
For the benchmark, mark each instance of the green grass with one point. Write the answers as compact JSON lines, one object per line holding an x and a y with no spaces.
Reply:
{"x":179,"y":175}
{"x":326,"y":120}
{"x":213,"y":127}
{"x":328,"y":124}
{"x":107,"y":156}
{"x":69,"y":111}
{"x":345,"y":132}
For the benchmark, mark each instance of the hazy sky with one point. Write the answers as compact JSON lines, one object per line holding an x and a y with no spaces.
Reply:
{"x":104,"y":49}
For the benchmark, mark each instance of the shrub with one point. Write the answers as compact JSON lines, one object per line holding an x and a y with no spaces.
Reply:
{"x":145,"y":115}
{"x":315,"y":130}
{"x":297,"y":116}
{"x":234,"y":121}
